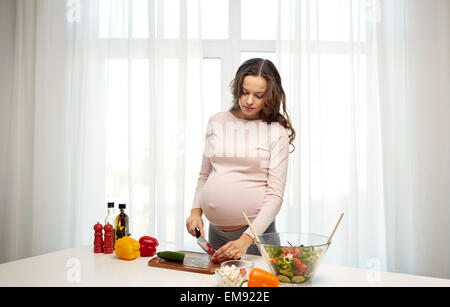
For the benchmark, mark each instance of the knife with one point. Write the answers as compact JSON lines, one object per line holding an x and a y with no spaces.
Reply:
{"x":203,"y":243}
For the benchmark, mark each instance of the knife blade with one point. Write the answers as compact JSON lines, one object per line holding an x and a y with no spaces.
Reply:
{"x":203,"y":243}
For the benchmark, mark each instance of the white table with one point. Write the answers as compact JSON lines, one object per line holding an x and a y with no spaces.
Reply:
{"x":81,"y":267}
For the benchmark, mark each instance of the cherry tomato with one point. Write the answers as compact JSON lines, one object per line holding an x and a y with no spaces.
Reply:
{"x":300,"y":265}
{"x":243,"y":272}
{"x":215,"y":260}
{"x":211,"y":250}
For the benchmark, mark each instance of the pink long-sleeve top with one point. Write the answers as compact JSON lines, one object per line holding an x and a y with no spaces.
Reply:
{"x":244,"y":169}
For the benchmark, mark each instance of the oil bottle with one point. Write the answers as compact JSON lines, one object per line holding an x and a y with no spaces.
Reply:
{"x":122,"y":223}
{"x":111,"y":219}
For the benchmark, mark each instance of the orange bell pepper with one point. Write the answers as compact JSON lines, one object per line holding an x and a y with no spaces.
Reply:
{"x":261,"y":278}
{"x":127,"y":248}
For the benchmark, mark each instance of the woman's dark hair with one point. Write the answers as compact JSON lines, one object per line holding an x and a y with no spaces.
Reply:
{"x":274,"y":95}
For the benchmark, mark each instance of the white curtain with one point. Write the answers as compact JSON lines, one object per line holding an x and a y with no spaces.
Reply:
{"x":101,"y":111}
{"x":110,"y":100}
{"x":368,"y":87}
{"x":328,"y":54}
{"x":415,"y":114}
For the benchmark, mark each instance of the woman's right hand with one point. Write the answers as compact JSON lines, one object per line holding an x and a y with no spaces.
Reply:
{"x":195,"y":220}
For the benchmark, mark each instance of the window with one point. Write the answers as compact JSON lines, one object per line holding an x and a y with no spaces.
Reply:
{"x":229,"y":30}
{"x":259,"y":19}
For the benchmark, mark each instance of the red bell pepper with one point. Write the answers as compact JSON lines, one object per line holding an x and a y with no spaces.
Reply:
{"x":148,"y":246}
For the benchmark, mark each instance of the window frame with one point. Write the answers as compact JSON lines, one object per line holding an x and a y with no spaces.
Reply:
{"x":228,"y":50}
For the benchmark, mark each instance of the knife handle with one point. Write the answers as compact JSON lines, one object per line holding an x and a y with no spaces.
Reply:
{"x":197,"y":233}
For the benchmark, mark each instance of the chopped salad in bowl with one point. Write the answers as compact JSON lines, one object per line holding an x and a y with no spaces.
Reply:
{"x":294,"y":256}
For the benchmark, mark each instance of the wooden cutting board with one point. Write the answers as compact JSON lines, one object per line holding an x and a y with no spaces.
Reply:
{"x":172,"y":265}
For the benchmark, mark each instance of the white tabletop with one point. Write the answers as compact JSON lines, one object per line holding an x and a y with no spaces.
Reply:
{"x":81,"y":267}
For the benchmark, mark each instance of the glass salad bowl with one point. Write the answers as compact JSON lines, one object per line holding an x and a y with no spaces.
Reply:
{"x":293,"y":256}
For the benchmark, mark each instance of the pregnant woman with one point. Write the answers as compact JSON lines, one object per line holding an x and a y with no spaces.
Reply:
{"x":245,"y":163}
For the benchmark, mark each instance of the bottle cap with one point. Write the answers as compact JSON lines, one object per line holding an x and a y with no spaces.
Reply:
{"x":110,"y":205}
{"x":122,"y":206}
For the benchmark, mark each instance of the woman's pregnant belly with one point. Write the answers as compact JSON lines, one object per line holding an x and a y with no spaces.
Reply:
{"x":223,"y":199}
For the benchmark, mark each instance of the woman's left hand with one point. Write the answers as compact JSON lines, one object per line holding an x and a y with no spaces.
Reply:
{"x":233,"y":249}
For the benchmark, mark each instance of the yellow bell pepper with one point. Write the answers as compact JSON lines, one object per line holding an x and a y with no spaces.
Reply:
{"x":127,"y":248}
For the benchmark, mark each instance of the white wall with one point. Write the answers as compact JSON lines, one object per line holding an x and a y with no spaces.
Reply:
{"x":7,"y":24}
{"x":428,"y":84}
{"x":7,"y":20}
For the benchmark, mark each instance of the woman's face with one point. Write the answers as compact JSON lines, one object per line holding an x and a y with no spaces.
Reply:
{"x":251,"y":100}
